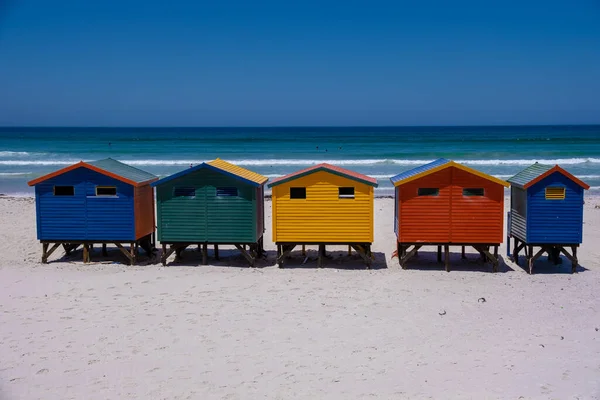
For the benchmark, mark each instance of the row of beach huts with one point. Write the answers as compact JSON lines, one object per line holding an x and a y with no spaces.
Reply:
{"x":442,"y":203}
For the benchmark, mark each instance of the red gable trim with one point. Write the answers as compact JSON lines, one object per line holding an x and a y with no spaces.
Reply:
{"x":325,"y":167}
{"x":82,"y":164}
{"x":558,"y":169}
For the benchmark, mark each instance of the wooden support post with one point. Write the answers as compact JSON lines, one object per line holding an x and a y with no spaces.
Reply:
{"x":249,"y":257}
{"x":44,"y":253}
{"x":407,"y":256}
{"x":439,"y":254}
{"x":515,"y":255}
{"x":86,"y":253}
{"x":104,"y":252}
{"x":132,"y":251}
{"x":574,"y":261}
{"x":217,"y":252}
{"x":349,"y":250}
{"x":535,"y":257}
{"x":321,"y":256}
{"x":163,"y":256}
{"x":364,"y":252}
{"x":462,"y":253}
{"x":205,"y":253}
{"x":303,"y":250}
{"x":447,"y":257}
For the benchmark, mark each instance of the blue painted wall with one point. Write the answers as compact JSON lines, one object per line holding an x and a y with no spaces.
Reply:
{"x":555,"y":221}
{"x":85,"y":216}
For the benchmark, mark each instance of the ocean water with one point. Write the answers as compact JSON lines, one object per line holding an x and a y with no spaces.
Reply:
{"x":381,"y":152}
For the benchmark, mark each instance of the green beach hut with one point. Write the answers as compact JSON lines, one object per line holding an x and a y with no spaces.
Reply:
{"x":214,"y":203}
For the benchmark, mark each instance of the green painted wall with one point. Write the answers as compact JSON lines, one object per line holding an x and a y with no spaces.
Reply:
{"x":207,"y":217}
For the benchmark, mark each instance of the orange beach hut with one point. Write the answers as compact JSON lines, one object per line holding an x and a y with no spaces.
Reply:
{"x":322,"y":205}
{"x":444,"y":203}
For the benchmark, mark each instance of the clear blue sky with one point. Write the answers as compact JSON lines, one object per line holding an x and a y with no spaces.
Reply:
{"x":214,"y":63}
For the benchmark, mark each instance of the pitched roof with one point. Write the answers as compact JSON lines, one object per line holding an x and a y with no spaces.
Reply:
{"x":223,"y":167}
{"x":537,"y":172}
{"x":328,"y":168}
{"x":438,"y":165}
{"x":109,"y":167}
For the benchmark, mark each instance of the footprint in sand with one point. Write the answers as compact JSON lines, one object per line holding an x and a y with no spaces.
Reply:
{"x":42,"y":371}
{"x":93,"y":362}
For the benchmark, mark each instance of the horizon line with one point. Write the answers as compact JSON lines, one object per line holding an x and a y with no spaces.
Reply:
{"x":287,"y":126}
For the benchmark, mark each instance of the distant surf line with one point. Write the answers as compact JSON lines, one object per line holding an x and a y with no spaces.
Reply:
{"x":309,"y":162}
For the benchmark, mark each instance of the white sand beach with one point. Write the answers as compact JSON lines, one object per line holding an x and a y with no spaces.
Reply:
{"x":107,"y":330}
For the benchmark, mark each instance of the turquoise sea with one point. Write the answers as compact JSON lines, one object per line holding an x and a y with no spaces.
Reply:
{"x":381,"y":152}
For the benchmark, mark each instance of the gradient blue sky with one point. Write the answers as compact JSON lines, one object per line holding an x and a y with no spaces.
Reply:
{"x":428,"y":62}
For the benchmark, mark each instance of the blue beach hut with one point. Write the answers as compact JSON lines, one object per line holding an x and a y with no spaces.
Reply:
{"x":546,"y":211}
{"x":103,"y":201}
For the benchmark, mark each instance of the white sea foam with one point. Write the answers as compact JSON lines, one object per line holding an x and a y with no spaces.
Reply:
{"x":14,"y":173}
{"x":306,"y":162}
{"x":14,"y":153}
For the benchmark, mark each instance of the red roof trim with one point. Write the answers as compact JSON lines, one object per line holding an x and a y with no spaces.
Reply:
{"x":552,"y":170}
{"x":88,"y":166}
{"x":327,"y":167}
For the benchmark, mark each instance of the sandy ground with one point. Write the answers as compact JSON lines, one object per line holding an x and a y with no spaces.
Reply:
{"x":110,"y":331}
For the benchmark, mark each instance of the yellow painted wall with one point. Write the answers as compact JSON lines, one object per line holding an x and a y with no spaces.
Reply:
{"x":322,"y":216}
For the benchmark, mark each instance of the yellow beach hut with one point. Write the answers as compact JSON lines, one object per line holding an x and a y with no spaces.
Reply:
{"x":323,"y":205}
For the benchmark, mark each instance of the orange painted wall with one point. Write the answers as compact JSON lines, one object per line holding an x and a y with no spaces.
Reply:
{"x":451,"y":217}
{"x":476,"y":219}
{"x":144,"y":211}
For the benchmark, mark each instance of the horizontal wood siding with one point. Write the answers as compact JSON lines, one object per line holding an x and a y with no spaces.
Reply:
{"x":323,"y":216}
{"x":229,"y":219}
{"x":259,"y":207}
{"x":84,"y":216}
{"x":518,"y":226}
{"x":426,"y":218}
{"x":206,"y":217}
{"x":518,"y":212}
{"x":476,"y":219}
{"x":555,"y":221}
{"x":144,"y":211}
{"x":109,"y":218}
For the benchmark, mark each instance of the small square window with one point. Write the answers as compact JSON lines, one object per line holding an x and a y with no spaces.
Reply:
{"x":227,"y":192}
{"x":429,"y":192}
{"x":298,"y":193}
{"x":473,"y":192}
{"x":106,"y":191}
{"x":346,"y":192}
{"x":64,"y":190}
{"x":555,"y":193}
{"x":184,"y":192}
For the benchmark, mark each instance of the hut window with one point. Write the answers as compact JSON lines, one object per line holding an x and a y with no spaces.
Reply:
{"x":555,"y":193}
{"x":106,"y":191}
{"x":473,"y":192}
{"x":298,"y":193}
{"x":346,"y":192}
{"x":227,"y":191}
{"x":429,"y":192}
{"x":64,"y":190}
{"x":184,"y":192}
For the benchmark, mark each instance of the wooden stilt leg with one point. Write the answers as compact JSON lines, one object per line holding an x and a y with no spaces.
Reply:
{"x":132,"y":251}
{"x":205,"y":253}
{"x":349,"y":250}
{"x":530,"y":259}
{"x":496,"y":261}
{"x":44,"y":253}
{"x":515,"y":255}
{"x":163,"y":257}
{"x":303,"y":250}
{"x":574,"y":262}
{"x":462,"y":253}
{"x":447,"y":257}
{"x":320,"y":257}
{"x":439,"y":254}
{"x":217,"y":252}
{"x":86,"y":253}
{"x":104,"y":252}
